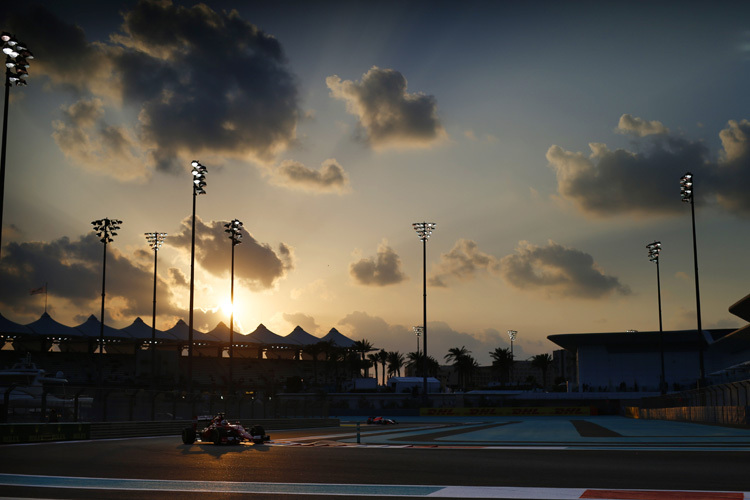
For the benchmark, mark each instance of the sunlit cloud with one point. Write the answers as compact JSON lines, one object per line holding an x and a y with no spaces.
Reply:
{"x":388,"y":115}
{"x":317,"y":288}
{"x":630,"y":124}
{"x":305,"y":321}
{"x":645,"y":182}
{"x":85,"y":138}
{"x":462,"y":262}
{"x":558,"y":271}
{"x":330,"y":177}
{"x":257,"y":265}
{"x":381,"y":270}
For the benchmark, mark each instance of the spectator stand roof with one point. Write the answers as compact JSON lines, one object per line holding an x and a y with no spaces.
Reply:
{"x":181,"y":331}
{"x":300,"y":336}
{"x":221,"y":334}
{"x":45,"y":326}
{"x":263,"y":335}
{"x":338,"y":338}
{"x":11,"y":328}
{"x":138,"y":329}
{"x":92,"y":328}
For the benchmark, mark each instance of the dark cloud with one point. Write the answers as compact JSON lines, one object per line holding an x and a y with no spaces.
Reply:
{"x":177,"y":277}
{"x":381,"y":270}
{"x":559,"y":271}
{"x":646,"y":182}
{"x":330,"y":177}
{"x":462,"y":262}
{"x":200,"y":82}
{"x":388,"y":114}
{"x":256,"y":264}
{"x":73,"y":271}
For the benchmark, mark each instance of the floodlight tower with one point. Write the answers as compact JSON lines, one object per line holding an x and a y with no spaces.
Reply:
{"x":688,"y":196}
{"x":17,"y":57}
{"x":654,"y":249}
{"x":199,"y":182}
{"x":234,"y":228}
{"x":512,"y":334}
{"x":105,"y":229}
{"x":155,"y":241}
{"x":424,"y":230}
{"x":418,"y":332}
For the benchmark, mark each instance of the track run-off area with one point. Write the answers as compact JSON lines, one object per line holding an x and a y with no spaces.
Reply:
{"x":605,"y":457}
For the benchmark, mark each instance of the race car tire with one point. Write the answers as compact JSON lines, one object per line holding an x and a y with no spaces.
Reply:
{"x":188,"y":435}
{"x":259,"y":434}
{"x":216,"y":436}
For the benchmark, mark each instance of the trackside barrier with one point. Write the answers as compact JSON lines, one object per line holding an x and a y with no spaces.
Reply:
{"x":38,"y":433}
{"x":35,"y":433}
{"x":508,"y":411}
{"x":722,"y":415}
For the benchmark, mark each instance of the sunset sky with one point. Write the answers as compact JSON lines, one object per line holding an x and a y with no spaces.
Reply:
{"x":545,"y":139}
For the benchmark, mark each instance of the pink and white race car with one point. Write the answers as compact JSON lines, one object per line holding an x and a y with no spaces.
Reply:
{"x":219,"y":431}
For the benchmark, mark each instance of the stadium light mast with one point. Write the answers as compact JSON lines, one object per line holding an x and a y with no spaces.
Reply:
{"x":418,"y":332}
{"x":17,"y":56}
{"x":199,"y":182}
{"x":654,"y":249}
{"x":105,"y":229}
{"x":234,"y":228}
{"x":512,"y":334}
{"x":424,"y":230}
{"x":155,"y":241}
{"x":688,"y":196}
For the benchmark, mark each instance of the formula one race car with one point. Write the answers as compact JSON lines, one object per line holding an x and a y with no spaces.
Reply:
{"x":381,"y":421}
{"x":219,"y":431}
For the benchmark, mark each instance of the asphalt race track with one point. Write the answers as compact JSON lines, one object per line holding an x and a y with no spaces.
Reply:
{"x":531,"y":457}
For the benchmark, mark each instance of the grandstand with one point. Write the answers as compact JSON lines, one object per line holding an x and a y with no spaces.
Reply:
{"x":261,"y":357}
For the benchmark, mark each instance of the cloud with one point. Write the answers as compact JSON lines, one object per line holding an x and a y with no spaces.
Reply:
{"x":73,"y":272}
{"x":256,"y":264}
{"x":732,"y":176}
{"x":560,"y":271}
{"x":85,"y":138}
{"x":177,"y":277}
{"x":381,"y":270}
{"x":305,"y":321}
{"x":463,"y":262}
{"x":331,"y":176}
{"x":646,"y":182}
{"x":640,"y":127}
{"x":317,"y":288}
{"x":388,"y":115}
{"x":200,"y":83}
{"x":440,"y":337}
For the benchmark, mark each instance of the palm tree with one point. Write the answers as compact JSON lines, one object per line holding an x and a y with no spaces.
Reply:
{"x":542,"y":362}
{"x":458,"y":356}
{"x":362,"y":347}
{"x":413,"y":362}
{"x":383,"y":358}
{"x":502,"y":362}
{"x":374,"y":359}
{"x":395,"y":363}
{"x":466,"y":366}
{"x":314,"y":350}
